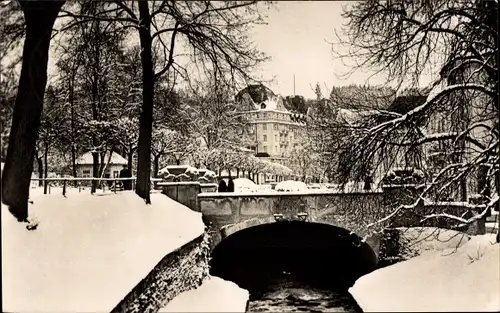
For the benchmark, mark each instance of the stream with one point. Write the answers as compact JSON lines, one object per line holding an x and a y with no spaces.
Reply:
{"x":288,"y":295}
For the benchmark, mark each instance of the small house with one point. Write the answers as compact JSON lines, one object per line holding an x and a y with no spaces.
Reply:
{"x":85,"y":162}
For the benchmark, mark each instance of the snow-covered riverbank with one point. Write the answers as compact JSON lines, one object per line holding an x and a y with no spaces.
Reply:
{"x":440,"y":279}
{"x":88,"y":251}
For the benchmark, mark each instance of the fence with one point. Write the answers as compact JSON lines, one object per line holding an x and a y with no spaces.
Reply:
{"x":78,"y":180}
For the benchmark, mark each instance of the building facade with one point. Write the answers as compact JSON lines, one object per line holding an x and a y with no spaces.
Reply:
{"x":273,"y":132}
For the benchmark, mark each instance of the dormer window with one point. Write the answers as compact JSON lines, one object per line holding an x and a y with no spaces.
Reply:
{"x":262,"y":106}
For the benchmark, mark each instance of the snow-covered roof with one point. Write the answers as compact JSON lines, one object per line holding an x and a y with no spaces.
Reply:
{"x":260,"y":97}
{"x":115,"y":159}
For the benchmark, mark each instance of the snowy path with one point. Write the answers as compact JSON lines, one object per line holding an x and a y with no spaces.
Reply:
{"x":88,"y":251}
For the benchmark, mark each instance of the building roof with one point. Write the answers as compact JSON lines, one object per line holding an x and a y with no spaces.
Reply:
{"x":115,"y":159}
{"x":257,"y":92}
{"x":259,"y":97}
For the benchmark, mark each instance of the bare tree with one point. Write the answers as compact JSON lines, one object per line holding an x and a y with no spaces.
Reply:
{"x":39,"y":18}
{"x":304,"y":159}
{"x":215,"y":117}
{"x":458,"y":40}
{"x":213,"y":34}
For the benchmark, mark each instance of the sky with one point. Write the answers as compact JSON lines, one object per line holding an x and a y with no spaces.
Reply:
{"x":297,"y":38}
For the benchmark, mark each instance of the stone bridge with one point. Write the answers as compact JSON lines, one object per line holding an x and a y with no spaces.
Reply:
{"x":229,"y":213}
{"x":318,"y":236}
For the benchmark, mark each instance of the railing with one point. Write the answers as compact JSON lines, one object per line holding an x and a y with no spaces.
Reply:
{"x":65,"y":180}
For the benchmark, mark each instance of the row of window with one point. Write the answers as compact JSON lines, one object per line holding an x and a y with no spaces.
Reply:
{"x":276,"y":149}
{"x":275,"y":126}
{"x":278,"y":139}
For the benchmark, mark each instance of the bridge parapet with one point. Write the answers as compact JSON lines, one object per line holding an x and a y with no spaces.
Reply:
{"x":233,"y":212}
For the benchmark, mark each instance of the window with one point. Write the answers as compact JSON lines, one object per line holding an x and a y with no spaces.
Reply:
{"x":265,"y":148}
{"x":276,"y":137}
{"x":116,"y":174}
{"x":265,"y":137}
{"x":276,"y":149}
{"x":264,"y":126}
{"x":86,"y":173}
{"x":276,"y":126}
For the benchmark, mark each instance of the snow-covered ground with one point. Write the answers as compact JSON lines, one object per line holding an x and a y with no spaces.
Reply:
{"x":88,"y":251}
{"x":214,"y":295}
{"x":446,"y":279}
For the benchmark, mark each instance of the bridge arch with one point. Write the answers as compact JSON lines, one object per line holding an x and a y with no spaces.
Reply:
{"x":259,"y":252}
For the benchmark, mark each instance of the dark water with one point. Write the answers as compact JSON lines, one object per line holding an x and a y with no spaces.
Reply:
{"x":287,"y":295}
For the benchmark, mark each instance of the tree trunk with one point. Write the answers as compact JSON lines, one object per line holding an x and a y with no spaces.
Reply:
{"x":45,"y":172}
{"x":497,"y":206}
{"x":95,"y":170}
{"x":156,"y":164}
{"x":146,"y":119}
{"x":102,"y":164}
{"x":107,"y":163}
{"x":73,"y":163}
{"x":40,"y":170}
{"x":130,"y":156}
{"x":95,"y":93}
{"x":73,"y":136}
{"x":40,"y":17}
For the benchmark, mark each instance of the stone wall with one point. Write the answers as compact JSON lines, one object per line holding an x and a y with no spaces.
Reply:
{"x":179,"y":271}
{"x":185,"y":193}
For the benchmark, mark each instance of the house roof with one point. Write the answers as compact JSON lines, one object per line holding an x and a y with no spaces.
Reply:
{"x":257,"y":92}
{"x":115,"y":159}
{"x":253,"y":96}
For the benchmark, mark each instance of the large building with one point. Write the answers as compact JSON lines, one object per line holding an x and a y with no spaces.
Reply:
{"x":274,"y":131}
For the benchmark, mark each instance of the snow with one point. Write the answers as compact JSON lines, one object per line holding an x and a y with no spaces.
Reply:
{"x":244,"y":184}
{"x":86,"y":158}
{"x":465,"y":279}
{"x":214,"y":295}
{"x":88,"y":251}
{"x":291,"y":185}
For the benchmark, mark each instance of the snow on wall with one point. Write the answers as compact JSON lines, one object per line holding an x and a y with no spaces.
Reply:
{"x":466,"y":279}
{"x":88,"y":252}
